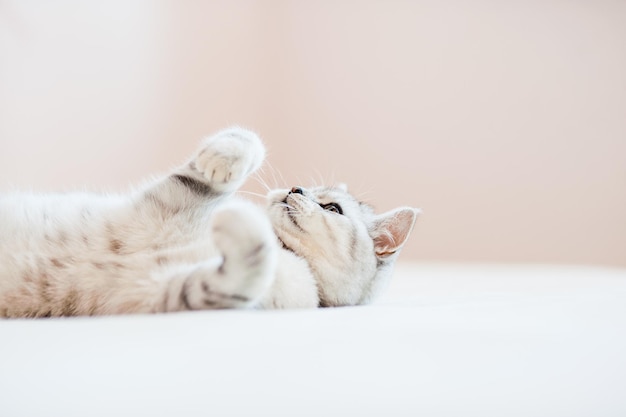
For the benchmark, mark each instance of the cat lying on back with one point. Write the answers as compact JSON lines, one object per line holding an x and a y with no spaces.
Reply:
{"x":184,"y":243}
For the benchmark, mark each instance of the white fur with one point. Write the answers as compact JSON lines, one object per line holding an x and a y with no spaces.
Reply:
{"x":183,"y":242}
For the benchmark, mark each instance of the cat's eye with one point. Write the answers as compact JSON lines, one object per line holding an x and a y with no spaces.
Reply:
{"x":333,"y":207}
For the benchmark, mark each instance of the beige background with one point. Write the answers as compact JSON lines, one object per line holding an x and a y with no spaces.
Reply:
{"x":504,"y":121}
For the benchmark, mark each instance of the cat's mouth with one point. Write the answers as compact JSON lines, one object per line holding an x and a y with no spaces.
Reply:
{"x":294,"y":207}
{"x":297,"y":202}
{"x":293,"y":217}
{"x":290,"y":209}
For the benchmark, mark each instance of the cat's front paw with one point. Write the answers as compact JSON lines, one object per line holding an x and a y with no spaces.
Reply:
{"x":244,"y":236}
{"x":228,"y":157}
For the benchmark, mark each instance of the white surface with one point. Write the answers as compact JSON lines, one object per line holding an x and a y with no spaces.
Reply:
{"x":446,"y":341}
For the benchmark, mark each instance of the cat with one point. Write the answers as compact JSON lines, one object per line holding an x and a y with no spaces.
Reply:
{"x":184,"y":242}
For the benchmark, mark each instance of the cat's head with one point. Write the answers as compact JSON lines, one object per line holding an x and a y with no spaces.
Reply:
{"x":350,"y":249}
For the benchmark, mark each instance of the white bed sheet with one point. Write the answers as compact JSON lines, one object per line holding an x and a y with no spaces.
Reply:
{"x":446,"y":340}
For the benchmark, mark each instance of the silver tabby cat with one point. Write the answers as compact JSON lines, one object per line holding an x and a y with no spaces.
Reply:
{"x":185,"y":243}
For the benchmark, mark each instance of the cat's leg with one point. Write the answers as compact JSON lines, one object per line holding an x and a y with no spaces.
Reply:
{"x":240,"y":277}
{"x":219,"y":168}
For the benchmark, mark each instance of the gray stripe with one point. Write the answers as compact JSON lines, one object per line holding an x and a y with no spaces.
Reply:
{"x":69,"y":305}
{"x":161,"y":205}
{"x":197,"y":187}
{"x":216,"y":299}
{"x":184,"y":300}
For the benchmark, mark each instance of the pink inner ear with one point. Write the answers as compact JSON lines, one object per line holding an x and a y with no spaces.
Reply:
{"x":384,"y":245}
{"x":392,"y":230}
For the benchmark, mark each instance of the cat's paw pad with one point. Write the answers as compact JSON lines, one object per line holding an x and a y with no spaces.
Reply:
{"x":244,"y":236}
{"x":229,"y":157}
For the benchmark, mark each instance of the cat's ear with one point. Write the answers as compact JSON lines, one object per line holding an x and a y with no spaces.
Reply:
{"x":391,"y":230}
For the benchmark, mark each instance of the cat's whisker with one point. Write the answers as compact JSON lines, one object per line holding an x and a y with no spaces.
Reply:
{"x":291,"y":210}
{"x":333,"y":176}
{"x":282,"y":179}
{"x":320,"y":177}
{"x":273,"y":172}
{"x":262,"y":175}
{"x":261,"y":181}
{"x":178,"y":243}
{"x":314,"y":182}
{"x":251,"y":193}
{"x":261,"y":170}
{"x":287,"y":206}
{"x":299,"y":180}
{"x":364,"y":194}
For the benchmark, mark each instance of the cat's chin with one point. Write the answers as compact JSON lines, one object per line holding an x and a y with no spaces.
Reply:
{"x":285,"y":210}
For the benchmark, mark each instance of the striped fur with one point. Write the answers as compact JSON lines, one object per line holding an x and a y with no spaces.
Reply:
{"x":184,"y":242}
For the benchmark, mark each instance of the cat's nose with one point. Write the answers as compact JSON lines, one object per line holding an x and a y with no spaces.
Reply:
{"x":296,"y":190}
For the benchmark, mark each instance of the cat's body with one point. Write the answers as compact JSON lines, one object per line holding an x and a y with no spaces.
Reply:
{"x":184,"y":243}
